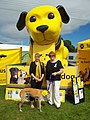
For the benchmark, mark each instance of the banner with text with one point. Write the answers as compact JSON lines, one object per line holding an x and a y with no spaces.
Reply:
{"x":8,"y":56}
{"x":84,"y":65}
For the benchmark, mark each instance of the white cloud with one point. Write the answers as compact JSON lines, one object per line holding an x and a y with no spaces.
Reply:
{"x":11,"y":30}
{"x":79,"y":11}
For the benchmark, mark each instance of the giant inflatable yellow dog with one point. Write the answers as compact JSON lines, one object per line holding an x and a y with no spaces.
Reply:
{"x":44,"y":24}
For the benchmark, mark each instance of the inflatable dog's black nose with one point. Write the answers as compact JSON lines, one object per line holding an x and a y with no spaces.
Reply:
{"x":42,"y":28}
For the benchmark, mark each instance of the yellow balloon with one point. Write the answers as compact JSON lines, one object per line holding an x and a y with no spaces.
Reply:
{"x":66,"y":52}
{"x":44,"y":24}
{"x":54,"y":25}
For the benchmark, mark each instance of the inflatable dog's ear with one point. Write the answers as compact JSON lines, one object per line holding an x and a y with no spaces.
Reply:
{"x":21,"y":22}
{"x":63,"y":13}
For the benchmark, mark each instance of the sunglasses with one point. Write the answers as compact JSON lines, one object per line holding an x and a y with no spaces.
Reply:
{"x":51,"y":55}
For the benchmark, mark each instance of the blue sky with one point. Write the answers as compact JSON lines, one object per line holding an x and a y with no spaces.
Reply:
{"x":77,"y":30}
{"x":80,"y":34}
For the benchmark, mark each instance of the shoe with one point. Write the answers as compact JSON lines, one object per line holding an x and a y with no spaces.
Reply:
{"x":50,"y":103}
{"x":57,"y":107}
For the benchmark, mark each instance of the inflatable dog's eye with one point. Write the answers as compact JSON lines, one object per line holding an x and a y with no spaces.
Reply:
{"x":32,"y":19}
{"x":50,"y":15}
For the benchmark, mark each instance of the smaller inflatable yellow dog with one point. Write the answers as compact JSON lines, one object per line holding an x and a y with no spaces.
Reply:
{"x":44,"y":24}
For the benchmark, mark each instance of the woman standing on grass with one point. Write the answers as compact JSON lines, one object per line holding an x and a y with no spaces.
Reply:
{"x":54,"y":69}
{"x":37,"y":74}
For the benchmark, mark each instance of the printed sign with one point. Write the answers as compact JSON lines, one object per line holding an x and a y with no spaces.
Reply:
{"x":18,"y":75}
{"x":84,"y":45}
{"x":13,"y":94}
{"x":78,"y":91}
{"x":67,"y":76}
{"x":8,"y":56}
{"x":84,"y":65}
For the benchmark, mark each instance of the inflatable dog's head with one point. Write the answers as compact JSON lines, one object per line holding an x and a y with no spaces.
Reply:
{"x":43,"y":23}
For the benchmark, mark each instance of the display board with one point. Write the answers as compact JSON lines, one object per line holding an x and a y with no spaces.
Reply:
{"x":18,"y":75}
{"x":13,"y":94}
{"x":78,"y":90}
{"x":8,"y":56}
{"x":84,"y":65}
{"x":83,"y":60}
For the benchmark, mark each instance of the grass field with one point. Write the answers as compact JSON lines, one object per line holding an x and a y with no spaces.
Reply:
{"x":68,"y":111}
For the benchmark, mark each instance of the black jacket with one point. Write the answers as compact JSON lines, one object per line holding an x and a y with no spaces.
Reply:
{"x":51,"y":68}
{"x":33,"y":68}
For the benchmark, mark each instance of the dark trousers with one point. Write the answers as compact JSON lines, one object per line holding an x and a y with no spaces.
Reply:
{"x":36,"y":85}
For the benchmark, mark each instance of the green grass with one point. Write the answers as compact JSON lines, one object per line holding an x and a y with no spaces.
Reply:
{"x":68,"y":111}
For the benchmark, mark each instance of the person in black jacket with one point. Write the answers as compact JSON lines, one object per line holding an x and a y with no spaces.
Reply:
{"x":54,"y":69}
{"x":37,"y":74}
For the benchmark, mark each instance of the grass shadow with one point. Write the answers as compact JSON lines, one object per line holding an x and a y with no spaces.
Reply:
{"x":87,"y":86}
{"x":69,"y":98}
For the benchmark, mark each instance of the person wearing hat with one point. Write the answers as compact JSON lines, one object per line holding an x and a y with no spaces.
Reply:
{"x":37,"y":74}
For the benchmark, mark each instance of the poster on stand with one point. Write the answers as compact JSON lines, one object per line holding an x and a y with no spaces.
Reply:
{"x":81,"y":95}
{"x":78,"y":90}
{"x":75,"y":91}
{"x":18,"y":75}
{"x":83,"y":61}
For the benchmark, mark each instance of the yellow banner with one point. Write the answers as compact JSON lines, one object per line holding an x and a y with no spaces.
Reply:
{"x":20,"y":76}
{"x":67,"y":76}
{"x":8,"y":56}
{"x":84,"y":45}
{"x":84,"y":65}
